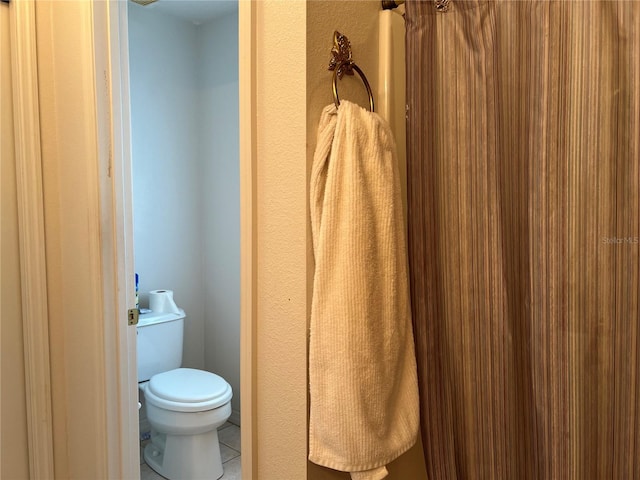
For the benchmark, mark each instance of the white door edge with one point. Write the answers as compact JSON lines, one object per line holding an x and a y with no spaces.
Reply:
{"x":248,"y":261}
{"x":112,"y":98}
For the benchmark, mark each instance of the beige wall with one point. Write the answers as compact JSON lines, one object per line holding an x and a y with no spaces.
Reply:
{"x":358,"y":20}
{"x":13,"y":420}
{"x":281,"y":240}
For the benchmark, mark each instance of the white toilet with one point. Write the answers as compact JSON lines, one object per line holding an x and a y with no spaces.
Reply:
{"x":184,"y":406}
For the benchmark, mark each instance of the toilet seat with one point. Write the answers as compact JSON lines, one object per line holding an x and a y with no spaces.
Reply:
{"x":187,"y":390}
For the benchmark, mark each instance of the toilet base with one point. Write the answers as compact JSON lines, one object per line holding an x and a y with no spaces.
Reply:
{"x":185,"y":457}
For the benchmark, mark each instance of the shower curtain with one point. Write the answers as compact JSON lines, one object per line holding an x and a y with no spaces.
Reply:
{"x":524,"y":229}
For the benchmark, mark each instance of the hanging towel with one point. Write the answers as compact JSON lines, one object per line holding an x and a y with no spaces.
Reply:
{"x":362,"y":367}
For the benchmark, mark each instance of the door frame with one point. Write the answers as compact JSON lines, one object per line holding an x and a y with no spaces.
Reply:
{"x":111,"y":64}
{"x":248,"y":244}
{"x":33,"y":270}
{"x":112,"y":79}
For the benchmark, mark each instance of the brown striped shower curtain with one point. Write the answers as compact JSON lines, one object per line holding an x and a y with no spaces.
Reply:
{"x":524,"y":229}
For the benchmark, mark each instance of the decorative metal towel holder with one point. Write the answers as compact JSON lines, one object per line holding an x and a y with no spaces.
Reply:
{"x":341,"y":63}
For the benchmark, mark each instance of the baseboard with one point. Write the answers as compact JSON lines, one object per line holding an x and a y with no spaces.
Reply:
{"x":235,"y":417}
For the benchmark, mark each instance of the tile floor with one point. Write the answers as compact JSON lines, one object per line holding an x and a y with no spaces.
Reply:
{"x":229,"y":437}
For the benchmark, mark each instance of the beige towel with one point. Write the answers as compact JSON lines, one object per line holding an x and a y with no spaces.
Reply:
{"x":362,"y":368}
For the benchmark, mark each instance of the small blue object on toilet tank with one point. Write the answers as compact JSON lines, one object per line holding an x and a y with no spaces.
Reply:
{"x":137,"y":297}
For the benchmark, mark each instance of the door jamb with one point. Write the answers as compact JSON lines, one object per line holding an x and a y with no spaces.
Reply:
{"x":111,"y":63}
{"x":33,"y":269}
{"x":248,"y":243}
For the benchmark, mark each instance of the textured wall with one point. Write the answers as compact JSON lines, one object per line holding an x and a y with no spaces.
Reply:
{"x":281,"y":240}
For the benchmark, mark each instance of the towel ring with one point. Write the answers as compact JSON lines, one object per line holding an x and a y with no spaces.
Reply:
{"x":336,"y":98}
{"x":342,"y":63}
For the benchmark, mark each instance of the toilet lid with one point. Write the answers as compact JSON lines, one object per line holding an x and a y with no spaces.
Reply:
{"x":188,"y":390}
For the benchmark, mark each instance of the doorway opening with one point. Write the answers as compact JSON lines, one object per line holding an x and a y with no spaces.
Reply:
{"x":184,"y":107}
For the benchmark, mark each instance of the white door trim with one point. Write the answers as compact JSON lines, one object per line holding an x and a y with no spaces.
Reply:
{"x":248,"y":253}
{"x":33,"y":271}
{"x":114,"y":147}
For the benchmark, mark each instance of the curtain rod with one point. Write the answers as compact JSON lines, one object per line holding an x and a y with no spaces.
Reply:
{"x":391,"y":4}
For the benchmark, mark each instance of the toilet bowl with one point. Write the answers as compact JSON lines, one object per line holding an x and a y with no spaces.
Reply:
{"x":185,"y":407}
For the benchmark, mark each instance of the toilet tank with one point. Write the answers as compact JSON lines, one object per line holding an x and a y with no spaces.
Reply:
{"x":159,"y":343}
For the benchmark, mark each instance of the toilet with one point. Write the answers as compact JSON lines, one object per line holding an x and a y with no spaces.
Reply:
{"x":184,"y":406}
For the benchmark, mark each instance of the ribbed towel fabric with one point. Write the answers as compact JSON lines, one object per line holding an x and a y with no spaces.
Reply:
{"x":362,"y":367}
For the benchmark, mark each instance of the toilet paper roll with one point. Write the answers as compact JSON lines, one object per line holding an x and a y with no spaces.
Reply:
{"x":161,"y":301}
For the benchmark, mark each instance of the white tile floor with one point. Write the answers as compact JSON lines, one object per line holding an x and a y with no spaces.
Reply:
{"x":229,"y":437}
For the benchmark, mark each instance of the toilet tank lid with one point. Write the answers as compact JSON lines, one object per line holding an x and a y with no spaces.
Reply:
{"x":153,"y":318}
{"x":190,"y":389}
